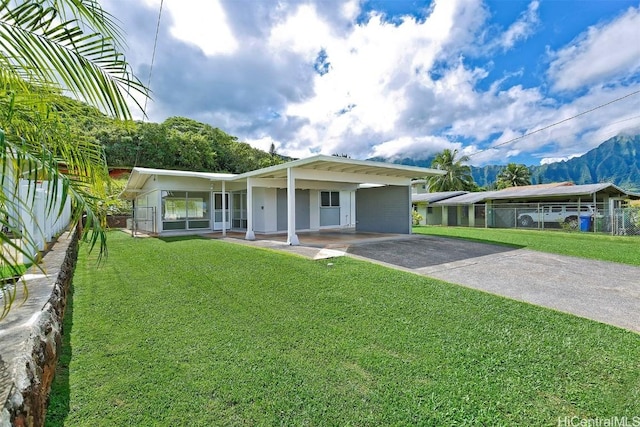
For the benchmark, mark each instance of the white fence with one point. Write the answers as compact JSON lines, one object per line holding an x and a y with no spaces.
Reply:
{"x":37,"y":217}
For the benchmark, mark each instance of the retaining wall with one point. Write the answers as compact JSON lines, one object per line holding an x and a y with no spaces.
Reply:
{"x":31,"y":337}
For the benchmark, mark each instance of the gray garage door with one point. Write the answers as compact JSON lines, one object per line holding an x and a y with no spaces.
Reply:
{"x":383,"y":210}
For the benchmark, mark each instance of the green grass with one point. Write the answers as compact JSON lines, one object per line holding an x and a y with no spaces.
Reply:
{"x":12,"y":271}
{"x":622,"y":249}
{"x":201,"y":332}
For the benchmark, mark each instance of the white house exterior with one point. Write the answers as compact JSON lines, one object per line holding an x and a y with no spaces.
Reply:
{"x":303,"y":195}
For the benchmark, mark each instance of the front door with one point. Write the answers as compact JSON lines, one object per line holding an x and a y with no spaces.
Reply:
{"x":218,"y":214}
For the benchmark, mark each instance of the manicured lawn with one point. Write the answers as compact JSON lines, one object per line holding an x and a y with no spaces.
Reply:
{"x":201,"y":332}
{"x":623,"y":249}
{"x":7,"y":272}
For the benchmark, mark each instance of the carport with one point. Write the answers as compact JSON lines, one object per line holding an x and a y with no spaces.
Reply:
{"x":379,"y":195}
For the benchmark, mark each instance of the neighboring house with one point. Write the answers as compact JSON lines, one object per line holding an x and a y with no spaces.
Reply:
{"x":423,"y":204}
{"x":527,"y":206}
{"x":419,"y":186}
{"x":309,"y":194}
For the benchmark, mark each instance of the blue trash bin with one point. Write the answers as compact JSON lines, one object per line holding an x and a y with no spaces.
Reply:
{"x":585,"y":222}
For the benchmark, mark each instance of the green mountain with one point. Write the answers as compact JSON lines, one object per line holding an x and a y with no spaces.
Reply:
{"x":616,"y":160}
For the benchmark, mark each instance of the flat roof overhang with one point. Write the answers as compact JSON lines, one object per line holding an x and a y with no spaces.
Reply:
{"x":316,"y":168}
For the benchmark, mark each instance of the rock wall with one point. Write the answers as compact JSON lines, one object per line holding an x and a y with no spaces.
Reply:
{"x":38,"y":340}
{"x":117,"y":221}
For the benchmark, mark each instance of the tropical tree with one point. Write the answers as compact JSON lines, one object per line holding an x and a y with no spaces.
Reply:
{"x":458,"y":175}
{"x":513,"y":175}
{"x":51,"y":48}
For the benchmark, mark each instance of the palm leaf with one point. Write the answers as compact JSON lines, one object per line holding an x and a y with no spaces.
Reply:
{"x":46,"y":49}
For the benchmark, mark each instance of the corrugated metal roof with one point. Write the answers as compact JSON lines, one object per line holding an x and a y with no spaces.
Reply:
{"x":467,"y":199}
{"x":435,"y":197}
{"x":569,"y":190}
{"x":535,"y":192}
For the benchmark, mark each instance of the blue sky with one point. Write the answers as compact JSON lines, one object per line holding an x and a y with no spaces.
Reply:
{"x":402,"y":78}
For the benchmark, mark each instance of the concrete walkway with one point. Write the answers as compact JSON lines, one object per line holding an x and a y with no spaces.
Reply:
{"x":602,"y":291}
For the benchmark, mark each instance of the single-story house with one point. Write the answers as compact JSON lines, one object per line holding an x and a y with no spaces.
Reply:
{"x":508,"y":207}
{"x":423,"y":204}
{"x":307,"y":194}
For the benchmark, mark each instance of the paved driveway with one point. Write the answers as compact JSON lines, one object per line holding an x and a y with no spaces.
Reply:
{"x":598,"y":290}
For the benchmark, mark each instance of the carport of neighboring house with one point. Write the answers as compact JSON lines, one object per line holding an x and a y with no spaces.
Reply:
{"x":316,"y":193}
{"x":503,"y":208}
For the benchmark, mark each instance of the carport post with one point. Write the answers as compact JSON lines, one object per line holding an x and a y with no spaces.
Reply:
{"x":292,"y":238}
{"x":224,"y":211}
{"x":250,"y":235}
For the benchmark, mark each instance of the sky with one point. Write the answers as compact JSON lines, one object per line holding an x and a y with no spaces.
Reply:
{"x":394,"y":78}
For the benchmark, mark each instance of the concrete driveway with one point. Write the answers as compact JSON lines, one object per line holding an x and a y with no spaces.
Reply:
{"x":603,"y":291}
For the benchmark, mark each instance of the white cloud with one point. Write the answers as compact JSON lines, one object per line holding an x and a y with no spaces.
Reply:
{"x":522,"y":28}
{"x":202,"y":23}
{"x":371,"y":71}
{"x":548,"y":160}
{"x":413,"y":147}
{"x":303,"y":33}
{"x":602,"y":52}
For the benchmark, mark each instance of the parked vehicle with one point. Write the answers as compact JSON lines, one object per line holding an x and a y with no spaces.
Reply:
{"x":557,"y":214}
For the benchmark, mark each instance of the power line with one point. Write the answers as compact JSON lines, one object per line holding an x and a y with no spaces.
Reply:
{"x":556,"y":123}
{"x":153,"y":58}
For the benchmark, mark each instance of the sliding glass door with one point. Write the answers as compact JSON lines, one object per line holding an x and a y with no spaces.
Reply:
{"x":239,"y":219}
{"x":185,"y":210}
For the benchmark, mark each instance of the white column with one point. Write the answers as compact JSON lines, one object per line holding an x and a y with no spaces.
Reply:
{"x":224,"y":210}
{"x":292,"y":238}
{"x":250,"y":235}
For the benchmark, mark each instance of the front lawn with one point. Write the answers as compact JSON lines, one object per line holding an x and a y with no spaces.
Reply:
{"x":201,"y":332}
{"x":623,"y":249}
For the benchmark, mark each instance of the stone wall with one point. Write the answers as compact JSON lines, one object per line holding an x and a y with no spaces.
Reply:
{"x":117,"y":221}
{"x":32,"y":337}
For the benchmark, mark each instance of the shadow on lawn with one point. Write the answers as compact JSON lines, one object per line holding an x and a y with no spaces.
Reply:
{"x":173,"y":239}
{"x":59,"y":397}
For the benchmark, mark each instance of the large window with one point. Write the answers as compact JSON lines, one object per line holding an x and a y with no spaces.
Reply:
{"x":329,"y":208}
{"x":185,"y":210}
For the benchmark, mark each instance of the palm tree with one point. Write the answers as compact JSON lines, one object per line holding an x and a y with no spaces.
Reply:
{"x":51,"y":48}
{"x":458,"y":176}
{"x":513,"y":175}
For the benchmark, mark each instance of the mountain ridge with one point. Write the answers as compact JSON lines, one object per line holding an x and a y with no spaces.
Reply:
{"x":616,"y":160}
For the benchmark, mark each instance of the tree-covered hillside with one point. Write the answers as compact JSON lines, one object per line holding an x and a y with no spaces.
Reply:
{"x":616,"y":160}
{"x":177,"y":143}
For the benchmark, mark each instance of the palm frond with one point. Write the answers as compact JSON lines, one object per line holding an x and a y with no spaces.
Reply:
{"x":47,"y":49}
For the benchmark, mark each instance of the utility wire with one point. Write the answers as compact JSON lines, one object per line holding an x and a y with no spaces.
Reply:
{"x":556,"y":123}
{"x":153,"y":58}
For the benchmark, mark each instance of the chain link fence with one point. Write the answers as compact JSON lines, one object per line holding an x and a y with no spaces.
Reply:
{"x":626,"y":221}
{"x":586,"y":217}
{"x":144,"y":220}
